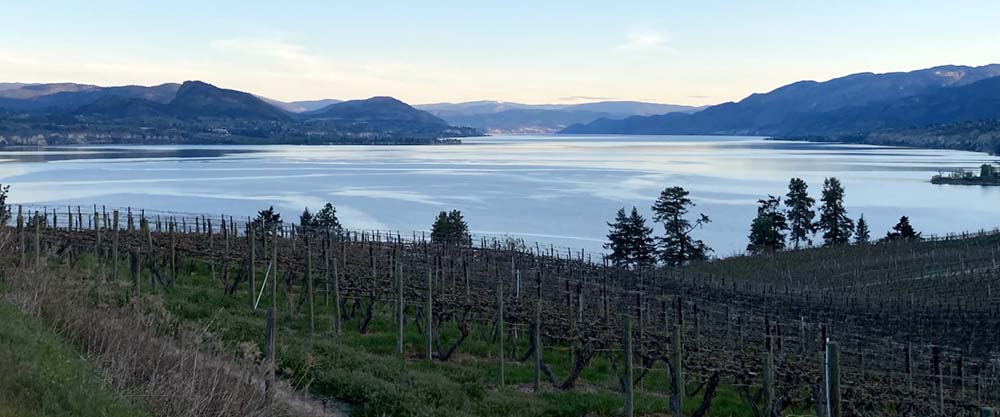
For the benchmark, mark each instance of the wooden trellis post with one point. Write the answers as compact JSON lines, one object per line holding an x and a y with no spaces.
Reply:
{"x":21,"y":232}
{"x":768,"y":380}
{"x":326,"y":269}
{"x":938,"y":378}
{"x":429,"y":317}
{"x":677,"y":379}
{"x":309,"y":285}
{"x":500,"y":332}
{"x":629,"y":378}
{"x":252,"y":267}
{"x":38,"y":239}
{"x":271,"y":336}
{"x":173,"y":252}
{"x":337,"y":315}
{"x":537,"y":333}
{"x":114,"y":248}
{"x":832,"y":380}
{"x":400,"y":308}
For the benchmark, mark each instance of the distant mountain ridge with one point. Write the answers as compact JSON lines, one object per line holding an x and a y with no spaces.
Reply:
{"x":509,"y":117}
{"x":506,"y":117}
{"x":301,"y":106}
{"x":68,"y":96}
{"x":199,"y":99}
{"x":198,"y":112}
{"x":853,"y":104}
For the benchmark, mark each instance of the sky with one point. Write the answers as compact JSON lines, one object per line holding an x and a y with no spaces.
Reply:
{"x":681,"y":52}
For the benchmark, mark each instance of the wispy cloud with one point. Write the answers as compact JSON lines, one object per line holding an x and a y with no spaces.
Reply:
{"x":287,"y":53}
{"x":644,"y":40}
{"x":587,"y":98}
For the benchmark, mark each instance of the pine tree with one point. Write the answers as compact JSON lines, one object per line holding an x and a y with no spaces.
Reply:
{"x":987,"y":171}
{"x":618,"y":242}
{"x":861,"y":233}
{"x":833,"y":221}
{"x":441,"y":230}
{"x":677,"y":247}
{"x":630,"y":240}
{"x":902,"y":231}
{"x":449,"y":228}
{"x":459,"y":229}
{"x":800,"y":212}
{"x":767,"y":232}
{"x":268,"y":221}
{"x":641,"y":242}
{"x":306,"y":219}
{"x":326,"y":219}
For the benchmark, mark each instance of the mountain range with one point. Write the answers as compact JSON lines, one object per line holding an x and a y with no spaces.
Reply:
{"x":507,"y":117}
{"x":198,"y":112}
{"x":934,"y":107}
{"x":852,"y":105}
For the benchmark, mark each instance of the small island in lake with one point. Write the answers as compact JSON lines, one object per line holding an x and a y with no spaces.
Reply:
{"x":988,"y":175}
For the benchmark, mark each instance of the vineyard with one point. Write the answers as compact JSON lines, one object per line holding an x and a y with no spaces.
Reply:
{"x":902,"y":328}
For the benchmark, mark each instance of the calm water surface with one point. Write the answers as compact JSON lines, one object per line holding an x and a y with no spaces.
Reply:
{"x":553,"y":189}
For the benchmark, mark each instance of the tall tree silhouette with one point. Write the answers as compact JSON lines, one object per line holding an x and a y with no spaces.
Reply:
{"x":677,"y":247}
{"x":800,"y":212}
{"x":833,"y":221}
{"x":862,"y":234}
{"x":450,"y":228}
{"x":767,"y":232}
{"x":902,"y":231}
{"x":326,"y":219}
{"x":630,"y":240}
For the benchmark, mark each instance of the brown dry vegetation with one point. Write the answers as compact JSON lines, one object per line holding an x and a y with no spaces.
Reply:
{"x":141,"y":350}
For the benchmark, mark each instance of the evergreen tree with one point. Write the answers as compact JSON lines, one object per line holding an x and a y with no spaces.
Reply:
{"x":630,"y":240}
{"x":441,"y":230}
{"x":449,"y":228}
{"x":767,"y":232}
{"x":459,"y":228}
{"x":987,"y":171}
{"x":677,"y":247}
{"x":268,"y":221}
{"x":861,"y":233}
{"x":306,"y":219}
{"x":800,"y":212}
{"x":902,"y":231}
{"x":641,"y":242}
{"x":618,"y":242}
{"x":833,"y":221}
{"x":326,"y":219}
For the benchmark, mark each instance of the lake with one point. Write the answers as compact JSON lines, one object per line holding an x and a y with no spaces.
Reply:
{"x":559,"y":189}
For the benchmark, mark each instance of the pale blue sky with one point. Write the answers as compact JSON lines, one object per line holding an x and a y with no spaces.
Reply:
{"x":689,"y":52}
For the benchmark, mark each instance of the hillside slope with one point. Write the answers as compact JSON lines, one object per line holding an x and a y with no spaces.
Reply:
{"x":856,"y":103}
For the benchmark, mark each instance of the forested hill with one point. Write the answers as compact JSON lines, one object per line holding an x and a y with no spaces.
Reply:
{"x":857,"y":104}
{"x":200,"y":113}
{"x":978,"y":136}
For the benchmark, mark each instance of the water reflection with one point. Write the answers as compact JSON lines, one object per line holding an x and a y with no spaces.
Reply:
{"x":71,"y":153}
{"x":558,"y":189}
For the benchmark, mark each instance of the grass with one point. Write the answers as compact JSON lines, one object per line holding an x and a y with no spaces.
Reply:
{"x":45,"y":376}
{"x":363,"y":371}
